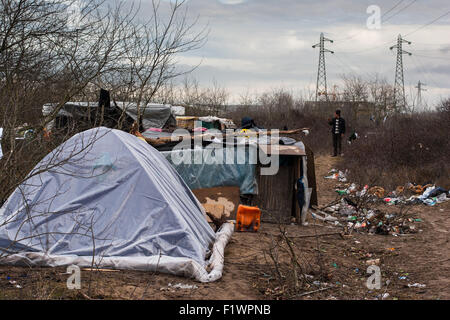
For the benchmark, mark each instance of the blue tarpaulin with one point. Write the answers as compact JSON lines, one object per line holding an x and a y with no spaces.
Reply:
{"x":217,"y":167}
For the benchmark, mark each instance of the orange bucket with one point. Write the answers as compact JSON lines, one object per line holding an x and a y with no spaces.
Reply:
{"x":248,"y":219}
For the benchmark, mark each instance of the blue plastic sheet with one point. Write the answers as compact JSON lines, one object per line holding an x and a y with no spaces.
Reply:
{"x":217,"y":167}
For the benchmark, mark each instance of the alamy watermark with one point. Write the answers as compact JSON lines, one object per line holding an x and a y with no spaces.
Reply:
{"x":74,"y":13}
{"x":74,"y":280}
{"x":374,"y":20}
{"x":374,"y":281}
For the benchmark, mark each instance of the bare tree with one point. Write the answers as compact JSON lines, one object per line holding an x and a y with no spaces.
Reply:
{"x":214,"y":98}
{"x":355,"y":88}
{"x":190,"y":92}
{"x":53,"y":51}
{"x":381,"y":93}
{"x":48,"y":54}
{"x":151,"y":50}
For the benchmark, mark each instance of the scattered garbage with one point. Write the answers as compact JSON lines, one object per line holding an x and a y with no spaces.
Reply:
{"x":14,"y":283}
{"x":373,"y":262}
{"x":337,"y":175}
{"x":327,"y":217}
{"x":377,"y":191}
{"x":429,"y":194}
{"x":347,"y":210}
{"x":373,"y":221}
{"x":182,"y":286}
{"x":416,"y":285}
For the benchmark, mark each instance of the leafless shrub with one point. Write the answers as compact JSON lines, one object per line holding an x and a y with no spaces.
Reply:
{"x":407,"y":148}
{"x":47,"y":55}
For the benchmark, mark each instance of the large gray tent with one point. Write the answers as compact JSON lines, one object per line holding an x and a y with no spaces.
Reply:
{"x":109,"y":195}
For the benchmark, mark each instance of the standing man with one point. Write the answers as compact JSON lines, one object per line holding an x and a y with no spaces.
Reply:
{"x":337,"y":130}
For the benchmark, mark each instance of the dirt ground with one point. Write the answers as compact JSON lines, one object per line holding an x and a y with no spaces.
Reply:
{"x":420,"y":258}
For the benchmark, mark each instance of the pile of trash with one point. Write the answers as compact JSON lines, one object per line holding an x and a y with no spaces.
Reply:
{"x":345,"y":213}
{"x":352,"y":209}
{"x":429,"y":194}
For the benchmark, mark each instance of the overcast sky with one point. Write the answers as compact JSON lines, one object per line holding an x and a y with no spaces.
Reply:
{"x":256,"y":45}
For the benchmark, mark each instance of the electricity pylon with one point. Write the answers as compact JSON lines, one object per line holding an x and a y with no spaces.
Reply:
{"x":399,"y":86}
{"x":321,"y":86}
{"x":419,"y":93}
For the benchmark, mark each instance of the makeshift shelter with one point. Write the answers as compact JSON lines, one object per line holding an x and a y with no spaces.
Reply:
{"x":85,"y":115}
{"x":205,"y":167}
{"x":90,"y":114}
{"x":153,"y":115}
{"x":107,"y":198}
{"x":208,"y":122}
{"x":278,"y":194}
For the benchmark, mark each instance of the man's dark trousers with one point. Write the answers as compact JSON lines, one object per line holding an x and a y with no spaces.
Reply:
{"x":337,"y":144}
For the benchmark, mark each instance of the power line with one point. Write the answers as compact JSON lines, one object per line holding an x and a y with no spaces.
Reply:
{"x":371,"y":48}
{"x":421,"y":69}
{"x":341,"y":65}
{"x":398,"y":12}
{"x":434,"y":50}
{"x":339,"y":41}
{"x":427,"y":24}
{"x":430,"y":57}
{"x":415,"y":30}
{"x":395,"y":6}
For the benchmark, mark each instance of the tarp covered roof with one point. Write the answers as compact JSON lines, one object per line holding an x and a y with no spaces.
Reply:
{"x":153,"y":115}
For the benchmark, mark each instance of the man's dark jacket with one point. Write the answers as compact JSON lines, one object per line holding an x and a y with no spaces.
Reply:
{"x":332,"y":123}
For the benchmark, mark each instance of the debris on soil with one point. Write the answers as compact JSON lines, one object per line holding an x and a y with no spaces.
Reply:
{"x":373,"y":262}
{"x":428,"y":194}
{"x":183,"y":286}
{"x":416,"y":285}
{"x":336,"y":175}
{"x":361,"y":210}
{"x":14,"y":283}
{"x":362,"y":219}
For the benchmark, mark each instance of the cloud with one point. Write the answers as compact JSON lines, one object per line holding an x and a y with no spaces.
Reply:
{"x":232,"y":1}
{"x":267,"y":43}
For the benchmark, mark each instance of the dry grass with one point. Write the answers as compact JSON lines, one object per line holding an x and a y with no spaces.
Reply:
{"x":405,"y":149}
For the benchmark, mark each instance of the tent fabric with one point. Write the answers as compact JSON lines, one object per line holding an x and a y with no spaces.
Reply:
{"x":153,"y":115}
{"x":208,"y":167}
{"x":106,"y":194}
{"x":173,"y":265}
